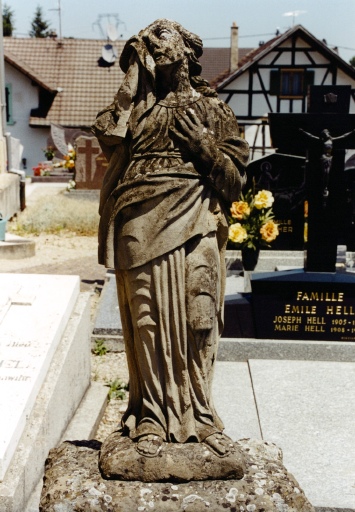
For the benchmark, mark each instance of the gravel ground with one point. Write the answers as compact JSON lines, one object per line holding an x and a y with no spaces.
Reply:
{"x":105,"y":369}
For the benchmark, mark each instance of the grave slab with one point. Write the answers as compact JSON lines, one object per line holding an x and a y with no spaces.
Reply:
{"x":307,"y":409}
{"x":243,"y":349}
{"x":67,"y":380}
{"x":234,"y":400}
{"x":30,"y":331}
{"x":108,"y":319}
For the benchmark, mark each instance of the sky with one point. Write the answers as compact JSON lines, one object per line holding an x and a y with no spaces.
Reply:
{"x":258,"y":20}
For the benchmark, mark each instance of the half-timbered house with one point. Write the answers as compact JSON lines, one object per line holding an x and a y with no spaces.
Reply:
{"x":276,"y":77}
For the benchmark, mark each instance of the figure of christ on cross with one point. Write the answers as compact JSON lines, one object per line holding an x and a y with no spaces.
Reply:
{"x":326,"y":143}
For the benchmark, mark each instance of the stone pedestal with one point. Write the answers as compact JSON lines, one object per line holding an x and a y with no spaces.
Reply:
{"x":73,"y":483}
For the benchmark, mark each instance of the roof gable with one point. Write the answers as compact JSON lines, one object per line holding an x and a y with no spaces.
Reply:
{"x":278,"y":42}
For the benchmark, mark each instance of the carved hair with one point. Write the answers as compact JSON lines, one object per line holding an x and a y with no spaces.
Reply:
{"x":193,"y":44}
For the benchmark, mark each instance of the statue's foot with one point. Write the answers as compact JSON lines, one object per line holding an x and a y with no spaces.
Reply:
{"x":149,"y":445}
{"x":220,"y":444}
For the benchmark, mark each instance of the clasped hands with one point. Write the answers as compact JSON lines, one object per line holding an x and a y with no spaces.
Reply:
{"x":190,"y":132}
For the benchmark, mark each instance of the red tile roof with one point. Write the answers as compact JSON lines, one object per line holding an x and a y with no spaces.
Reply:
{"x":215,"y":61}
{"x":69,"y":68}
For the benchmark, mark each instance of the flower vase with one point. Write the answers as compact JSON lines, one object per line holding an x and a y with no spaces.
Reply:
{"x":249,"y":260}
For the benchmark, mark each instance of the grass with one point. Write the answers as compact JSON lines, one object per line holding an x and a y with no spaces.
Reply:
{"x":117,"y":390}
{"x":56,"y":214}
{"x":100,"y":348}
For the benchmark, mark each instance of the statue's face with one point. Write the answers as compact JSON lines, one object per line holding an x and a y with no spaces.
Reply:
{"x":166,"y":46}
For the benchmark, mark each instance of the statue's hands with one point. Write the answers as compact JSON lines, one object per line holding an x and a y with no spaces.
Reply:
{"x":194,"y":137}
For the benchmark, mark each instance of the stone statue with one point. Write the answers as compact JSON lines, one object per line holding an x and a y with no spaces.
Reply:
{"x":176,"y":162}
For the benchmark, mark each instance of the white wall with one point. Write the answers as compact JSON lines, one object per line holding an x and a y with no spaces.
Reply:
{"x":239,"y":102}
{"x":24,"y":98}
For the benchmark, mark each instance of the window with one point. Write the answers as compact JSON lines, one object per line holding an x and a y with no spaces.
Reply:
{"x":8,"y":96}
{"x":290,"y":83}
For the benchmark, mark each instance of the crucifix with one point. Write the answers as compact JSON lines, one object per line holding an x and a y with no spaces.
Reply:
{"x":324,"y":134}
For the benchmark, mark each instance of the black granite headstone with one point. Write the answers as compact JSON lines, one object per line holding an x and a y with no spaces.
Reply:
{"x":304,"y":305}
{"x":317,"y":303}
{"x":325,"y":136}
{"x":284,"y":176}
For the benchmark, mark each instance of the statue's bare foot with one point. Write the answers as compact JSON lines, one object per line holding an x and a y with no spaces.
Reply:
{"x":149,"y":445}
{"x":219,"y":444}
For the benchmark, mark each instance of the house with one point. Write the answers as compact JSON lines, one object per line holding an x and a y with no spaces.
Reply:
{"x":275,"y":78}
{"x":66,"y":82}
{"x":55,"y":82}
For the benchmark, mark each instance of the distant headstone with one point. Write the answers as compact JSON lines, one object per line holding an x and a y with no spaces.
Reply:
{"x":284,"y":176}
{"x":90,"y":164}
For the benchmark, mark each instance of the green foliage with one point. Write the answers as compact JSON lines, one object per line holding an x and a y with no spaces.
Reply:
{"x":352,"y":61}
{"x":40,"y":27}
{"x":7,"y":20}
{"x":100,"y":348}
{"x":117,"y":390}
{"x":58,"y":214}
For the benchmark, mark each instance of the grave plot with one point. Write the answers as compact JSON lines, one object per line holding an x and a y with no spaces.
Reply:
{"x":34,"y":311}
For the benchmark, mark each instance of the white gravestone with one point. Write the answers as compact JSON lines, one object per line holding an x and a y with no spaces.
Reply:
{"x":34,"y":311}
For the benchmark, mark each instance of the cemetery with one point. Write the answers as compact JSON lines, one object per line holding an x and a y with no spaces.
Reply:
{"x":284,"y":369}
{"x":251,"y":371}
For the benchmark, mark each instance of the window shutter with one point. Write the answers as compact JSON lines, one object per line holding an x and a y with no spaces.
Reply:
{"x":308,"y":80}
{"x":274,"y":82}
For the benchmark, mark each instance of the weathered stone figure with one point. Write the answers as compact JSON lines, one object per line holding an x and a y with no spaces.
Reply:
{"x":175,"y":163}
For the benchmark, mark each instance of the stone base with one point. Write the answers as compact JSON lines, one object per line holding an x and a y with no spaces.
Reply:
{"x":16,"y":247}
{"x":73,"y":483}
{"x":119,"y":460}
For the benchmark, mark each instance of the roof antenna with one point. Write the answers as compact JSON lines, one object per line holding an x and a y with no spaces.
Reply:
{"x":111,"y":28}
{"x":294,"y":14}
{"x":108,"y":52}
{"x":60,"y":18}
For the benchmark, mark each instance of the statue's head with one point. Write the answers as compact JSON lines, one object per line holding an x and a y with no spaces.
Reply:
{"x":167,"y":42}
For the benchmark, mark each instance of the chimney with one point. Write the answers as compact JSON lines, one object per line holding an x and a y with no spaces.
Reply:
{"x":234,"y":48}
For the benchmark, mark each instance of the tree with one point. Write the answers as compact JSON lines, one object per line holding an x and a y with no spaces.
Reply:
{"x":40,"y":27}
{"x":352,"y":61}
{"x":7,"y":21}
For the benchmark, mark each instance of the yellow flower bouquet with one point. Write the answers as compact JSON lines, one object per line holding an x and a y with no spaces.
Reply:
{"x":251,"y":223}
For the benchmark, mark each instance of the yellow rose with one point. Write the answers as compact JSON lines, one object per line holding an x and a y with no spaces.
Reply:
{"x":269,"y":231}
{"x":239,"y":209}
{"x":263,"y":199}
{"x":237,"y":233}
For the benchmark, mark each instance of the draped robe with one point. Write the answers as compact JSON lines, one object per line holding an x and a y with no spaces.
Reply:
{"x":164,"y":229}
